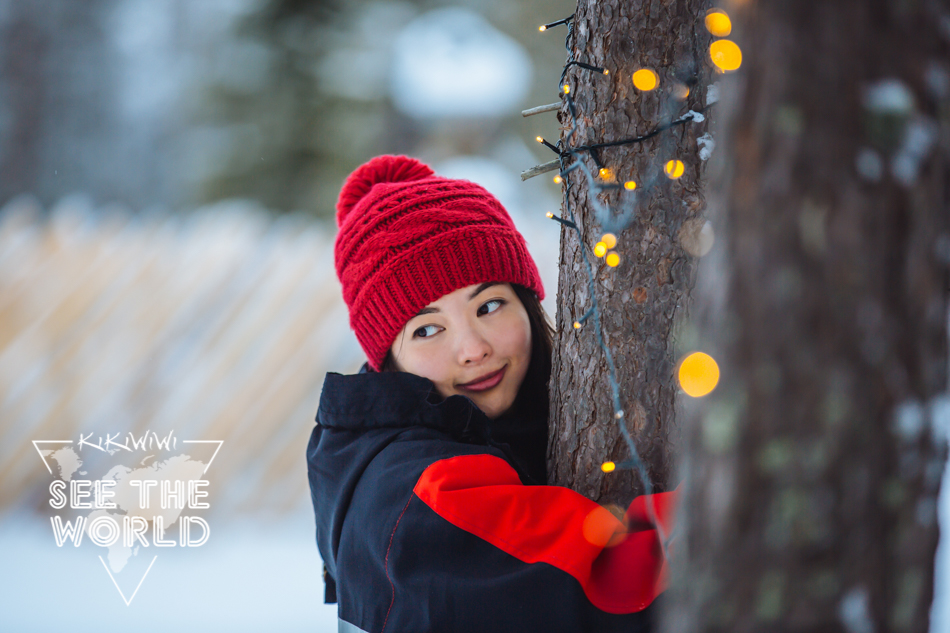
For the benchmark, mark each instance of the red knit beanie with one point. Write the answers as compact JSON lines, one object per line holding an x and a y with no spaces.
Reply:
{"x":408,"y":237}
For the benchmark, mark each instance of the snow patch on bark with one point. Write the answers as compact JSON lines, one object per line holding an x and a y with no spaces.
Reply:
{"x":890,"y":96}
{"x":853,"y":611}
{"x":940,"y":417}
{"x":919,"y":136}
{"x":706,"y":146}
{"x":908,"y":421}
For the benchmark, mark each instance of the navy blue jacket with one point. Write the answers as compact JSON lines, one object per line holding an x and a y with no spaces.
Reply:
{"x":425,"y":522}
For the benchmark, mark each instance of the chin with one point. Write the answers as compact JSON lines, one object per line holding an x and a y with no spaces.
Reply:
{"x":493,"y":410}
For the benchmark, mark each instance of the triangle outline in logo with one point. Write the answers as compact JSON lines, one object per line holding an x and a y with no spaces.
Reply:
{"x":132,"y":597}
{"x":43,"y":457}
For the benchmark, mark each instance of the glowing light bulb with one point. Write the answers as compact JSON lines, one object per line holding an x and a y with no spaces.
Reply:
{"x":698,"y":374}
{"x":606,"y":72}
{"x":558,"y":180}
{"x":645,"y":79}
{"x":567,"y":89}
{"x":600,"y":249}
{"x":674,"y":169}
{"x":613,"y":259}
{"x":577,"y":325}
{"x":543,"y":28}
{"x":603,"y":527}
{"x":608,"y":467}
{"x":697,"y":237}
{"x":604,"y":173}
{"x":726,"y":55}
{"x":539,"y":139}
{"x":629,"y":185}
{"x":609,"y":239}
{"x":718,"y":23}
{"x":549,"y":214}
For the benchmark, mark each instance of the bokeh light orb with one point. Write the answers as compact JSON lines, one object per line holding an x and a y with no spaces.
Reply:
{"x":718,"y":23}
{"x":600,"y":249}
{"x":630,"y":185}
{"x":645,"y":79}
{"x":726,"y":55}
{"x":609,"y":239}
{"x":602,"y":528}
{"x":698,"y":374}
{"x":674,"y":169}
{"x":613,"y":260}
{"x":697,"y":237}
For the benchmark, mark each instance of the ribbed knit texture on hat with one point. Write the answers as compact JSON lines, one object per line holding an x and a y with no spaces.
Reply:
{"x":408,"y":237}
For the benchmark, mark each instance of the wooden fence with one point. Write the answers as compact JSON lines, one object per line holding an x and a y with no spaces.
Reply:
{"x":215,"y":325}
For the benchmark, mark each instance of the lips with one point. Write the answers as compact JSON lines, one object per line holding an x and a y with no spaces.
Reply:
{"x":485,"y":382}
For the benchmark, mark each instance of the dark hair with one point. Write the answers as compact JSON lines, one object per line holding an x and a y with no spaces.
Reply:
{"x":532,"y":398}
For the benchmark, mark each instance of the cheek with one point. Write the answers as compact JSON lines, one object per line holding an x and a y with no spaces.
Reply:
{"x":517,"y":336}
{"x":425,"y":365}
{"x":431,"y":365}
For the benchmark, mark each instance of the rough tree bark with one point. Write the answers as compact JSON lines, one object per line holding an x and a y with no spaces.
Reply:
{"x":814,"y":468}
{"x":640,"y":299}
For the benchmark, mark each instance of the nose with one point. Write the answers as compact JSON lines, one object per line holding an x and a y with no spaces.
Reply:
{"x":472,"y":346}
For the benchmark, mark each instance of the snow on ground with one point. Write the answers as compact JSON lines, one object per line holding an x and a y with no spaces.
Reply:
{"x":245,"y":578}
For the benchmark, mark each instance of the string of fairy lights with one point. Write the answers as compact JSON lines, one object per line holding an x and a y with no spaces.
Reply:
{"x":698,"y":373}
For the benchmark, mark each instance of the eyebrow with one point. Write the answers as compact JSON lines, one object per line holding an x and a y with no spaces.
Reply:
{"x":478,"y":291}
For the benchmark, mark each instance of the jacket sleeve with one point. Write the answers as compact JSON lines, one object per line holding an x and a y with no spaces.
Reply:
{"x":619,"y":564}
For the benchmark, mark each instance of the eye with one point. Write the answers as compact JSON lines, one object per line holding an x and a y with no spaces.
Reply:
{"x":499,"y":302}
{"x":424,"y":328}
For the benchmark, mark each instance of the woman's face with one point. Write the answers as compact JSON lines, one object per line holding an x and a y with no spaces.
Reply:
{"x":475,"y":341}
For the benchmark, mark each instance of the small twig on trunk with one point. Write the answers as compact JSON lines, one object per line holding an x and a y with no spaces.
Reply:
{"x":545,"y":108}
{"x":537,"y":170}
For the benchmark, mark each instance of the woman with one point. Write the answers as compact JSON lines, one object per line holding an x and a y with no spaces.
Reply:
{"x":427,"y":468}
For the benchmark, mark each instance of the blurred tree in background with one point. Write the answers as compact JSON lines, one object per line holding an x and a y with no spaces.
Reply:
{"x":814,"y":469}
{"x":337,"y":92}
{"x":277,"y":117}
{"x":57,"y":97}
{"x":181,"y":103}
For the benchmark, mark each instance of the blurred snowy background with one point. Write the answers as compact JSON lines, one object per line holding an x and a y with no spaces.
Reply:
{"x":168,"y":170}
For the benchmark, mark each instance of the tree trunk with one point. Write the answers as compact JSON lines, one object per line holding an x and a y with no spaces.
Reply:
{"x":814,"y":468}
{"x":639,"y":300}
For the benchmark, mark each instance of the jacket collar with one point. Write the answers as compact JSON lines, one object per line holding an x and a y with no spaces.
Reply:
{"x":371,"y":400}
